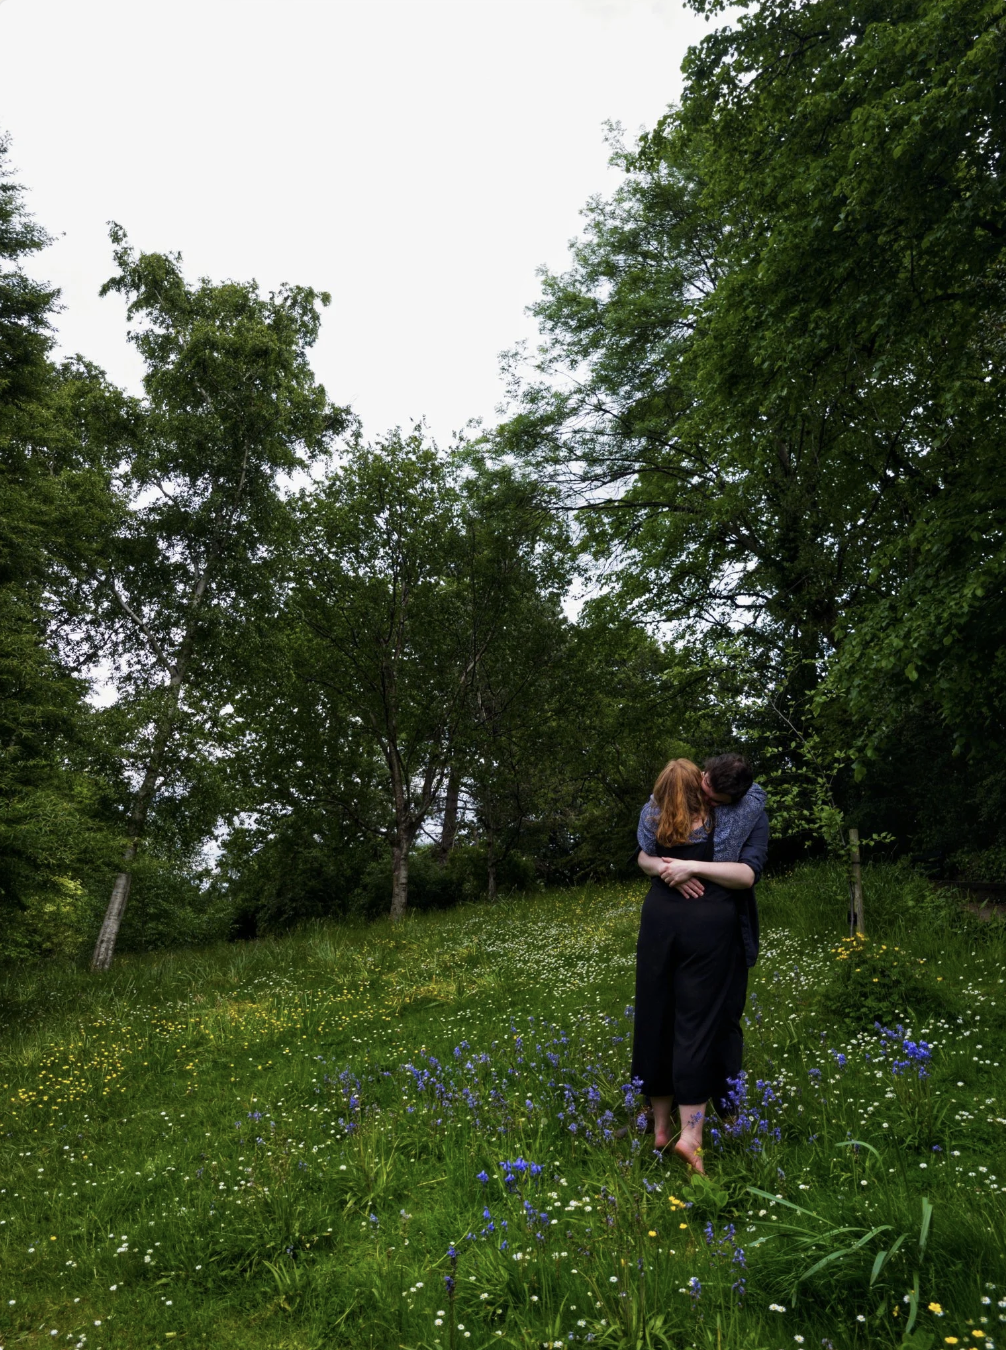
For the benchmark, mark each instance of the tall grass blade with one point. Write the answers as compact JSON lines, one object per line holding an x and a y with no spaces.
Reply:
{"x":927,"y":1215}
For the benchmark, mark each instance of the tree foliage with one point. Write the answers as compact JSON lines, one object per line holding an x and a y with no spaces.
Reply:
{"x":772,"y":376}
{"x":54,"y":500}
{"x":231,"y":405}
{"x":748,"y":492}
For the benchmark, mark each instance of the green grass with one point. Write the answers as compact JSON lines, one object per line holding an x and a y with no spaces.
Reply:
{"x":224,"y":1146}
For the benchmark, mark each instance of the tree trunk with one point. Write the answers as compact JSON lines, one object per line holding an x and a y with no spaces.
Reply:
{"x":449,"y":829}
{"x":399,"y":881}
{"x":858,"y":920}
{"x":104,"y":948}
{"x":491,"y":866}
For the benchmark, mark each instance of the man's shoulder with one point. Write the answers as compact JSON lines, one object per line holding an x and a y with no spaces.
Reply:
{"x":753,"y":802}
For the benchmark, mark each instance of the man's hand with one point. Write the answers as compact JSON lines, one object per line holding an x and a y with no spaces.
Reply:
{"x":678,"y":874}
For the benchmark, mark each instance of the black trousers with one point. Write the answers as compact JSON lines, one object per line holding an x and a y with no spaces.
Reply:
{"x":730,"y":1047}
{"x":691,"y":983}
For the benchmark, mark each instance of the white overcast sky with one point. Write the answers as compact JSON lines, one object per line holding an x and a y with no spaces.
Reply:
{"x":417,"y":158}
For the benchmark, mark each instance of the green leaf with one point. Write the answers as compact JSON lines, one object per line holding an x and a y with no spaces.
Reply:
{"x":842,"y":1252}
{"x":883,"y":1257}
{"x":778,"y":1200}
{"x":859,"y":1143}
{"x":927,"y":1215}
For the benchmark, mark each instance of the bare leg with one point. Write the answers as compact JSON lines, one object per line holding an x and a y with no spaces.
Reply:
{"x":661,"y":1121}
{"x":689,"y":1145}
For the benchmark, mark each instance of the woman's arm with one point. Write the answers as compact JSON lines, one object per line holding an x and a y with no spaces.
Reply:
{"x":735,"y":876}
{"x":650,"y":865}
{"x":690,"y":887}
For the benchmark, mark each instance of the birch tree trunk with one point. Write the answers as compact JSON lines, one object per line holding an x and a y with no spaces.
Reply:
{"x":104,"y":948}
{"x":399,"y":880}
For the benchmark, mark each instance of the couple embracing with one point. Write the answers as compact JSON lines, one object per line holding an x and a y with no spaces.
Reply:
{"x":703,"y":838}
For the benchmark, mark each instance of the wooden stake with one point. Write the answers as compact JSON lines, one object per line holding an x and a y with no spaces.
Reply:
{"x":857,"y":883}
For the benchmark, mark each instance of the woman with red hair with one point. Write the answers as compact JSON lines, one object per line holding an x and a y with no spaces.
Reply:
{"x":690,"y":957}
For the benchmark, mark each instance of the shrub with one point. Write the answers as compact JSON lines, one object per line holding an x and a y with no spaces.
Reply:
{"x":462,"y":878}
{"x":987,"y":864}
{"x":56,"y":921}
{"x":874,"y":981}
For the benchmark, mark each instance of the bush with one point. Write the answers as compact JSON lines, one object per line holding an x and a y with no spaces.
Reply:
{"x":463,"y":878}
{"x":56,"y":922}
{"x":987,"y":864}
{"x":813,"y":900}
{"x":170,"y":906}
{"x":876,"y":981}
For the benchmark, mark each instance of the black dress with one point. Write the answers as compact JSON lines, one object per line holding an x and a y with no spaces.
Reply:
{"x":688,"y":957}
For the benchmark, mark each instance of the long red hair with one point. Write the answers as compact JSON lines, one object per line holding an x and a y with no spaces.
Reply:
{"x":681,"y":801}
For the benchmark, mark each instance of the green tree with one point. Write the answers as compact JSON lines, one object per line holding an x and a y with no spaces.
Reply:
{"x":406,"y":573}
{"x":772,"y":376}
{"x":231,"y":406}
{"x":856,"y":155}
{"x":54,"y":505}
{"x":518,"y":551}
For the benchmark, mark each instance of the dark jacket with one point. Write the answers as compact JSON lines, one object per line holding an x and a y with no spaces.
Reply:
{"x":754,"y":852}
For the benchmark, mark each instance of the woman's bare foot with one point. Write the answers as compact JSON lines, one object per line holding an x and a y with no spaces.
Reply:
{"x":689,"y":1145}
{"x":661,"y":1122}
{"x":692,"y":1156}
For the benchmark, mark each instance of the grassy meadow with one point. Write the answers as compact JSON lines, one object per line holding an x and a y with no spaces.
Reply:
{"x":404,"y":1137}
